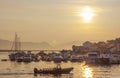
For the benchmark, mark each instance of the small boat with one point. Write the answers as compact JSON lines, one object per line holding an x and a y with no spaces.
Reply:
{"x":27,"y":57}
{"x":19,"y":58}
{"x":3,"y":59}
{"x":76,"y":59}
{"x":12,"y":57}
{"x":16,"y":52}
{"x":57,"y":58}
{"x":56,"y":70}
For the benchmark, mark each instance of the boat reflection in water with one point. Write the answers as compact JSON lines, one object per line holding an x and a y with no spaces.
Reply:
{"x":54,"y":76}
{"x":87,"y":72}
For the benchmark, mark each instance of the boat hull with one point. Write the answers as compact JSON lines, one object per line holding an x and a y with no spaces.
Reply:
{"x":53,"y":71}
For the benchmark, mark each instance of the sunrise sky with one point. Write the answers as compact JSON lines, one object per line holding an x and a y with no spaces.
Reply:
{"x":60,"y":21}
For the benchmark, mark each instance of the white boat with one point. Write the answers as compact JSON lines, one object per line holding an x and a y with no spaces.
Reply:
{"x":76,"y":59}
{"x":27,"y":58}
{"x":57,"y":58}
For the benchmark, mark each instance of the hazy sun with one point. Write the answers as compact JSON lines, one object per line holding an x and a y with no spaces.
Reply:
{"x":87,"y":14}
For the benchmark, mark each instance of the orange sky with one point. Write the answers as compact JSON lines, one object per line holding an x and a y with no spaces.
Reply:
{"x":59,"y":21}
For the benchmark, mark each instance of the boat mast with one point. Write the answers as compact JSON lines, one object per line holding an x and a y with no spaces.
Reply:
{"x":16,"y":42}
{"x":19,"y":44}
{"x":16,"y":46}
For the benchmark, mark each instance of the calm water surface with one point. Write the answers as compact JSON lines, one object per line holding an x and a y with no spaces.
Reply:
{"x":25,"y":70}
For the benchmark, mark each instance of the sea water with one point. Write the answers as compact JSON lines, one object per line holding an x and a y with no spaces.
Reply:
{"x":10,"y":69}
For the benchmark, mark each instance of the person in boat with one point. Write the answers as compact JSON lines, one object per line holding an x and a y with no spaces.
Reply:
{"x":35,"y":70}
{"x":57,"y":68}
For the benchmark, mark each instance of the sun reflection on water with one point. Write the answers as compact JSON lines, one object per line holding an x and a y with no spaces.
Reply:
{"x":87,"y":72}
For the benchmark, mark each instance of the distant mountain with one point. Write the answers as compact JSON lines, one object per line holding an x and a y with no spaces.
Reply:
{"x":6,"y":44}
{"x":35,"y":45}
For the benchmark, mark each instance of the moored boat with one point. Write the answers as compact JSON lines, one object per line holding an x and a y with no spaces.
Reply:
{"x":12,"y":56}
{"x":16,"y":52}
{"x":56,"y":70}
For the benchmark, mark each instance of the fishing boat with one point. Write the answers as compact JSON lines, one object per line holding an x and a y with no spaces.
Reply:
{"x":56,"y":70}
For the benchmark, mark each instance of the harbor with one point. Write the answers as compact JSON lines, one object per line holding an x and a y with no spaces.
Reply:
{"x":65,"y":56}
{"x":91,"y":60}
{"x":101,"y":53}
{"x":59,"y":39}
{"x":20,"y":69}
{"x":81,"y":61}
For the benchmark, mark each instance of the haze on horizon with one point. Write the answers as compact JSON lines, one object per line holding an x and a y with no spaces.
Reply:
{"x":60,"y":21}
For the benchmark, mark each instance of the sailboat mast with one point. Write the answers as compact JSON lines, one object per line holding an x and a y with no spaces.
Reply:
{"x":19,"y":44}
{"x":16,"y":46}
{"x":16,"y":42}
